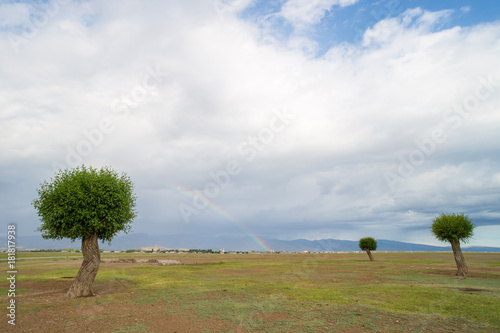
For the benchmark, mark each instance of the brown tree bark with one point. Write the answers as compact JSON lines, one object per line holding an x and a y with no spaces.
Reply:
{"x":369,"y":254}
{"x":82,"y":285}
{"x":462,"y":269}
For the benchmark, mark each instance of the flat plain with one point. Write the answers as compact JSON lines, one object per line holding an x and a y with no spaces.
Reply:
{"x":335,"y":292}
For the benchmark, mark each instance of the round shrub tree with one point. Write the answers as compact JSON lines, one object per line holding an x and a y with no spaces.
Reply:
{"x":88,"y":204}
{"x":454,"y":228}
{"x":368,"y":244}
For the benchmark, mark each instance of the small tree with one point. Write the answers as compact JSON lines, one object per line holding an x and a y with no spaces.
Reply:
{"x":89,"y":204}
{"x":454,"y":228}
{"x":368,"y":244}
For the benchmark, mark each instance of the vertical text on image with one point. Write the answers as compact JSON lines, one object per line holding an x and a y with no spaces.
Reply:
{"x":11,"y":272}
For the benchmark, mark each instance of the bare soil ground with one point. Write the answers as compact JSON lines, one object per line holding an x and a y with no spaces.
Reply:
{"x":51,"y":311}
{"x":119,"y":307}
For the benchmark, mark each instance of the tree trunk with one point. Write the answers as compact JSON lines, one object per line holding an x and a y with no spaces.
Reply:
{"x":369,"y":254}
{"x":462,"y":269}
{"x":82,"y":285}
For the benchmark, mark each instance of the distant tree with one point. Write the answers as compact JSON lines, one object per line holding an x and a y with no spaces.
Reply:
{"x":89,"y":204}
{"x":368,"y":244}
{"x":454,"y":228}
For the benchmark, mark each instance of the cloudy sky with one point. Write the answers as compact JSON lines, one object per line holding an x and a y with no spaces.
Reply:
{"x":282,"y":119}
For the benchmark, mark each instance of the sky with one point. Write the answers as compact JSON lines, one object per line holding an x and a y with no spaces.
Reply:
{"x":278,"y":119}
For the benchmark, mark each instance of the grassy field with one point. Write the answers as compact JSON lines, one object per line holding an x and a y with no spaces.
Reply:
{"x":399,"y":292}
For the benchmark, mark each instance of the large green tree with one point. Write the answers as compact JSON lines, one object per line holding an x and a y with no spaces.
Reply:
{"x":88,"y":204}
{"x":454,"y":228}
{"x":368,"y":244}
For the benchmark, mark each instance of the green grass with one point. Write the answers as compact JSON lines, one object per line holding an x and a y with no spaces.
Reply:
{"x":298,"y":292}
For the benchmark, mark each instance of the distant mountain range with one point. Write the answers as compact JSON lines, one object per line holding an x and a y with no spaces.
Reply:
{"x":382,"y":245}
{"x":141,"y":240}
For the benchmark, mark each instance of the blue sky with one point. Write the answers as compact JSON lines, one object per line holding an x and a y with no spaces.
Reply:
{"x":281,"y":119}
{"x":340,"y":24}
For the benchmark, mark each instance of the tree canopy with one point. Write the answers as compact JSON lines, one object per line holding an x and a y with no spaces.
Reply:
{"x":368,"y":243}
{"x":84,"y":201}
{"x":452,"y":227}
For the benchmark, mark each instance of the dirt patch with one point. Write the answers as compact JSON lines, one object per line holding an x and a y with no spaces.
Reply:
{"x":453,"y":273}
{"x":47,"y":309}
{"x":471,"y":290}
{"x":142,"y":261}
{"x":46,"y":291}
{"x":38,"y":288}
{"x":372,"y":278}
{"x":245,"y":272}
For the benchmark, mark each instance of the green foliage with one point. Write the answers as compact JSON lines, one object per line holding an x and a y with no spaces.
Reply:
{"x":82,"y":201}
{"x":368,"y":243}
{"x":452,"y":227}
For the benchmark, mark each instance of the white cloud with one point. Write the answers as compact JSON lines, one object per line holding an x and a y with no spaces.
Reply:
{"x":308,"y":12}
{"x":465,"y":9}
{"x":416,"y":19}
{"x":14,"y":14}
{"x":226,"y":8}
{"x":357,"y":111}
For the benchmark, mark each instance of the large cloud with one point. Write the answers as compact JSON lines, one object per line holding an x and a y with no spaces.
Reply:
{"x":381,"y":136}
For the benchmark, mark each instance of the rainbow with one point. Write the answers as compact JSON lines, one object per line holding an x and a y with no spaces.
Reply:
{"x":222,"y":212}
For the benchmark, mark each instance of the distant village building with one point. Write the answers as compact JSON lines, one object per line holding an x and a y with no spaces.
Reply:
{"x":157,"y":248}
